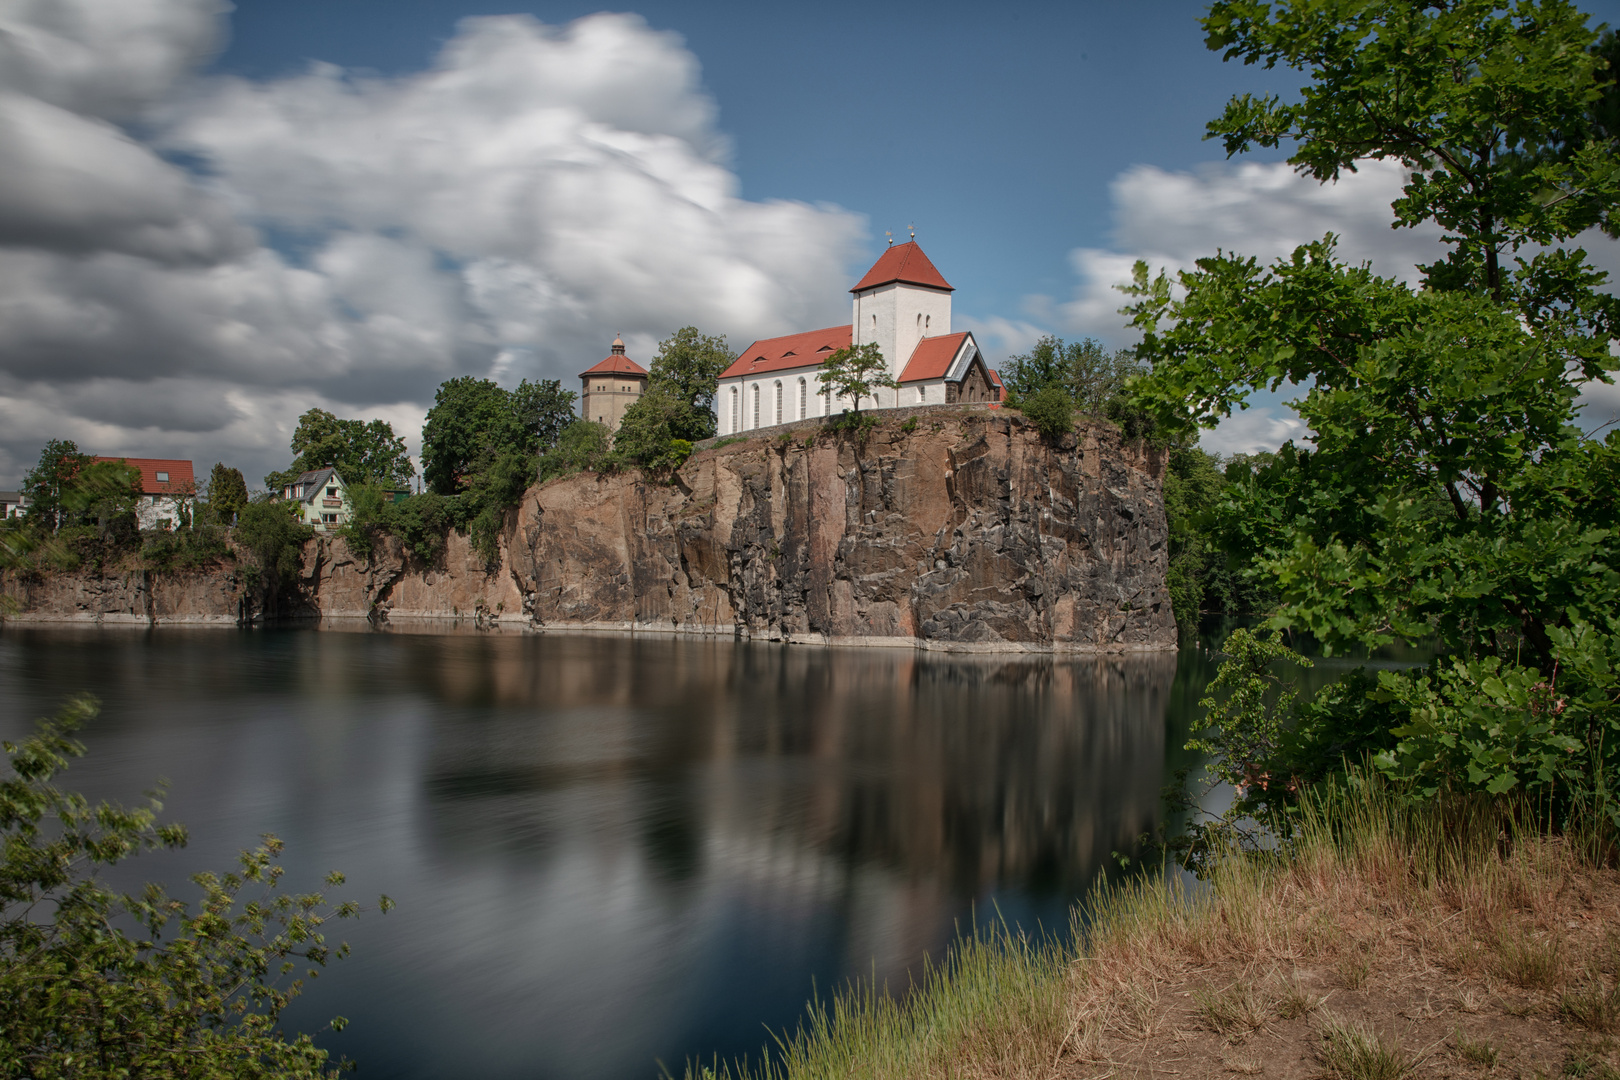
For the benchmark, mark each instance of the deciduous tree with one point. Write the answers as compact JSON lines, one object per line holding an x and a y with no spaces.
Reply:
{"x":855,"y":371}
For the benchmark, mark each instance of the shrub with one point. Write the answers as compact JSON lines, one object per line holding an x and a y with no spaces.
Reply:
{"x":1051,"y":411}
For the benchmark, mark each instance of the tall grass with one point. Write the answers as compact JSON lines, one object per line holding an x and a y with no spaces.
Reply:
{"x":1474,"y":876}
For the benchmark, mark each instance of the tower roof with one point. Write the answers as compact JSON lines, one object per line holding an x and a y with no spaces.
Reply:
{"x":616,"y":363}
{"x":903,"y":262}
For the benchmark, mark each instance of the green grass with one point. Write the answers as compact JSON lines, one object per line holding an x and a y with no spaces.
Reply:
{"x":1355,"y":1052}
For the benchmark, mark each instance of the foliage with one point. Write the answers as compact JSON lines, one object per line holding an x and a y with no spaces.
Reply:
{"x":1085,"y":370}
{"x":362,"y":452}
{"x":274,"y":537}
{"x":648,"y":433}
{"x":583,"y":445}
{"x":104,"y":493}
{"x":185,"y":548}
{"x":1447,"y":495}
{"x":474,"y":422}
{"x":1051,"y":410}
{"x":687,"y":369}
{"x":45,"y":484}
{"x":420,"y":522}
{"x":854,"y":372}
{"x":227,"y":493}
{"x":197,"y":991}
{"x":1201,"y":575}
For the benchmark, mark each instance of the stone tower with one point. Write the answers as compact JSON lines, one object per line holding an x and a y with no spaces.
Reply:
{"x":611,"y":387}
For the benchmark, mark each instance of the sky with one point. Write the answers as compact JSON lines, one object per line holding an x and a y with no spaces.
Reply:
{"x":213,"y":218}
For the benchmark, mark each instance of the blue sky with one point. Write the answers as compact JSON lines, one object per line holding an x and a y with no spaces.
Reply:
{"x":214,"y":218}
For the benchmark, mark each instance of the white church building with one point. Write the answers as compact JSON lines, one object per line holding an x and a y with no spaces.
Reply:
{"x":903,"y":304}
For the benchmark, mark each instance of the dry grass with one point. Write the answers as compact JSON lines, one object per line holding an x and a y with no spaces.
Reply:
{"x":1394,"y":940}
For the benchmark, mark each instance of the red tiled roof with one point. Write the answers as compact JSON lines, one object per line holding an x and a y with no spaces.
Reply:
{"x":995,"y":379}
{"x":932,"y":357}
{"x":617,"y":364}
{"x":181,"y":478}
{"x":794,"y":350}
{"x":903,"y":262}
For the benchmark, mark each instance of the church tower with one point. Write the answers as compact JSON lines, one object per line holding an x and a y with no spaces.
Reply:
{"x":611,"y":387}
{"x":900,"y":301}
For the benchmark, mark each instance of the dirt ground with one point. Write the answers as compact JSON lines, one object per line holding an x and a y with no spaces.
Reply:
{"x":1338,"y":977}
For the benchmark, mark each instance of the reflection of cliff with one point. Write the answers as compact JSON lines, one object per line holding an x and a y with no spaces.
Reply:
{"x":889,"y":785}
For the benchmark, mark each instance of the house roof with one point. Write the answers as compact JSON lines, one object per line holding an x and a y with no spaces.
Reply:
{"x":795,"y":350}
{"x":932,"y":357}
{"x":995,"y":378}
{"x":181,"y":478}
{"x":616,"y":363}
{"x":10,"y":496}
{"x":313,"y":481}
{"x":903,"y":262}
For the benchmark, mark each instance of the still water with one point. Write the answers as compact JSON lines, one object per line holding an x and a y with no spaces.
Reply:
{"x":613,"y":852}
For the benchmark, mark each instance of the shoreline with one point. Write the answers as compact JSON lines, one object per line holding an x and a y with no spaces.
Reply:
{"x":433,"y":622}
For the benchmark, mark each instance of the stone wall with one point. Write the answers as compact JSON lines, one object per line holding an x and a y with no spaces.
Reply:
{"x":965,"y":532}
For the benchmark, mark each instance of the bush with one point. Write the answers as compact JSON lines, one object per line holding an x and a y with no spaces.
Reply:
{"x":186,"y":549}
{"x":582,"y":445}
{"x":197,"y":992}
{"x":1051,"y":411}
{"x":273,"y":536}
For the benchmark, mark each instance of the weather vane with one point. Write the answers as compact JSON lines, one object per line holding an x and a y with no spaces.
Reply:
{"x":912,"y":229}
{"x":890,"y":235}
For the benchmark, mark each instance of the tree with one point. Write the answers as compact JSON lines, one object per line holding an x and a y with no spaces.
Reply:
{"x":363,"y":452}
{"x":1085,"y":370}
{"x":855,"y":371}
{"x":649,"y":434}
{"x":1447,"y":495}
{"x":687,"y":369}
{"x":196,"y":992}
{"x":542,"y":409}
{"x":1051,"y":410}
{"x":274,"y":538}
{"x":584,"y":444}
{"x":227,"y":492}
{"x":45,"y":484}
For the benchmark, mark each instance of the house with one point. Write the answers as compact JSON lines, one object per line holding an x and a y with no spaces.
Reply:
{"x":12,"y":504}
{"x":611,"y":387}
{"x":903,"y":305}
{"x":166,"y":485}
{"x":322,"y":497}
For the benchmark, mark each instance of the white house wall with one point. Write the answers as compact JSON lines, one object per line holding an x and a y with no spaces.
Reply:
{"x":815,"y":402}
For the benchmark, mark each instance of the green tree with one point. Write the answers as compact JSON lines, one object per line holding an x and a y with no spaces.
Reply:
{"x":649,"y":433}
{"x":584,"y":444}
{"x":542,"y":410}
{"x":45,"y":484}
{"x":104,"y":494}
{"x":687,"y":369}
{"x":471,"y":423}
{"x":274,"y":537}
{"x":1051,"y":410}
{"x":1448,"y":495}
{"x":194,"y":991}
{"x":227,"y":492}
{"x":363,"y":452}
{"x":855,"y":371}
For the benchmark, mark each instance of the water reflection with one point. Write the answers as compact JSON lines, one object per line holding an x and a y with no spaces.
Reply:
{"x":609,"y":851}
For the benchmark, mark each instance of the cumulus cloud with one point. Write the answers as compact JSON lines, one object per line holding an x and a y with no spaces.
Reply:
{"x":349,"y":242}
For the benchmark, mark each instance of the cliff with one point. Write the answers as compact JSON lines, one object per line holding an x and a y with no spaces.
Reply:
{"x":945,"y":528}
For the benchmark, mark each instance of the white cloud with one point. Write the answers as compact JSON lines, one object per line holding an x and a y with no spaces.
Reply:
{"x":504,"y":213}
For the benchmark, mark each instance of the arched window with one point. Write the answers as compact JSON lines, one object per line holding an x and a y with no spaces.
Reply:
{"x":827,"y":409}
{"x":928,"y":320}
{"x":778,"y":401}
{"x":919,"y":322}
{"x":736,"y":411}
{"x":874,"y":324}
{"x":804,"y":397}
{"x":756,"y":405}
{"x":922,"y":393}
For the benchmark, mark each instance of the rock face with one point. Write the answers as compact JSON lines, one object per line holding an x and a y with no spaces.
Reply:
{"x":966,"y":531}
{"x":947,"y":528}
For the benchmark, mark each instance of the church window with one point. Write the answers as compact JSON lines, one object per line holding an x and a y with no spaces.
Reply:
{"x":827,"y":397}
{"x":928,"y":320}
{"x":778,"y":401}
{"x":756,"y":404}
{"x":736,"y":410}
{"x":804,"y":398}
{"x":922,"y":393}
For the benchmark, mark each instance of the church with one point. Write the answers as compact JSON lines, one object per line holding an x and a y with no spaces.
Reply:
{"x":903,"y":304}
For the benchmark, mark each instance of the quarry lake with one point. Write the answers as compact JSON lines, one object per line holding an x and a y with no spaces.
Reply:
{"x":610,"y":852}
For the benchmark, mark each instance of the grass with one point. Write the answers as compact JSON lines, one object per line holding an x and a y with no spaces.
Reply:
{"x":1352,"y":1051}
{"x":1305,"y":953}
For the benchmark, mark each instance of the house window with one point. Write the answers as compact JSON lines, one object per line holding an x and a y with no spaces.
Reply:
{"x":330,"y":519}
{"x":922,"y":393}
{"x":927,"y":322}
{"x":155,"y":499}
{"x":827,"y":409}
{"x":804,"y":398}
{"x":778,"y":401}
{"x":736,"y":410}
{"x":331,"y":493}
{"x":756,"y":405}
{"x":162,"y":477}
